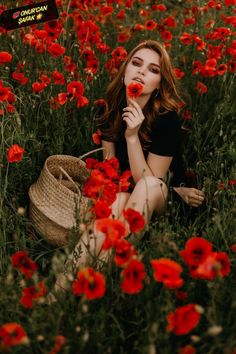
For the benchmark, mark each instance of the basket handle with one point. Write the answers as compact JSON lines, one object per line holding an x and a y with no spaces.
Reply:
{"x":70,"y":179}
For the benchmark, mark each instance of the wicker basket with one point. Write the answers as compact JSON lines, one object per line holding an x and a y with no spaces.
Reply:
{"x":56,"y":196}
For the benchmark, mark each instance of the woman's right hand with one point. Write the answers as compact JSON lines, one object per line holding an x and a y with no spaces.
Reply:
{"x":192,"y":196}
{"x":133,"y":116}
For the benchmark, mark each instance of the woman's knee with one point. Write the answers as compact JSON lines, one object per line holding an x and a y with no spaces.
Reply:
{"x":152,"y":187}
{"x":119,"y":203}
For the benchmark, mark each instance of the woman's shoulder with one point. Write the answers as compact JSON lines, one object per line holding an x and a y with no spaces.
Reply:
{"x":167,"y":119}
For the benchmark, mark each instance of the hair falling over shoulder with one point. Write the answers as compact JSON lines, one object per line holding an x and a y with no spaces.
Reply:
{"x":168,"y":98}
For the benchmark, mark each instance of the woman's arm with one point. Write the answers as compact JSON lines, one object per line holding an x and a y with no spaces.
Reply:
{"x":109,"y":149}
{"x":154,"y":166}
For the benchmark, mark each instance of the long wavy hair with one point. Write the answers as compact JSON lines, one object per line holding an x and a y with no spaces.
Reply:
{"x":168,"y":98}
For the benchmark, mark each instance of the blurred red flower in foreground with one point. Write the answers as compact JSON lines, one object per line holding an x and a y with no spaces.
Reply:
{"x":90,"y":283}
{"x":113,"y":229}
{"x":97,"y":137}
{"x":216,"y":264}
{"x":15,"y":153}
{"x":187,"y":349}
{"x":197,"y":249}
{"x":12,"y":334}
{"x":101,"y":209}
{"x":5,"y":57}
{"x":21,"y":261}
{"x":59,"y":342}
{"x":132,"y":277}
{"x":184,"y":319}
{"x":201,"y":88}
{"x":124,"y":252}
{"x":134,"y":90}
{"x":168,"y":272}
{"x":135,"y":219}
{"x":30,"y":294}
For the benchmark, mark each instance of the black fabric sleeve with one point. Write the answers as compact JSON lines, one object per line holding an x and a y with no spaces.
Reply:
{"x":166,"y":135}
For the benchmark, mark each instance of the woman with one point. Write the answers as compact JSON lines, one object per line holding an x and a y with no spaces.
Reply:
{"x":144,"y":133}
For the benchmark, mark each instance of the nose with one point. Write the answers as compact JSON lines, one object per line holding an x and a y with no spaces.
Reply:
{"x":141,"y":70}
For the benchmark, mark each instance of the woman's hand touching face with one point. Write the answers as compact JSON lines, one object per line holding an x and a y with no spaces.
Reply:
{"x":133,"y":116}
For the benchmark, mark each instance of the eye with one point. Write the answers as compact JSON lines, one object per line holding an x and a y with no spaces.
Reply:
{"x":155,"y":70}
{"x":135,"y":62}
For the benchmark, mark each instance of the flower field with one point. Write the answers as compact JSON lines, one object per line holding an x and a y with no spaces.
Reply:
{"x":174,"y":290}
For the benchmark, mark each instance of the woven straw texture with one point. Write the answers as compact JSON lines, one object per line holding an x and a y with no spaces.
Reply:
{"x":56,"y":196}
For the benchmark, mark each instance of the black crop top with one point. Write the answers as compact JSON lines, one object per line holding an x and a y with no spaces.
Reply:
{"x":166,"y":140}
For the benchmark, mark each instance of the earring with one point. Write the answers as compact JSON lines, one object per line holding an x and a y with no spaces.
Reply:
{"x":157,"y":94}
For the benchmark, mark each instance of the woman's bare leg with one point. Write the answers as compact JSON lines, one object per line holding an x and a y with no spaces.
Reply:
{"x":149,"y":194}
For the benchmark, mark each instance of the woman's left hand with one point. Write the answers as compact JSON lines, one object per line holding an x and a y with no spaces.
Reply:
{"x":133,"y":116}
{"x":192,"y":196}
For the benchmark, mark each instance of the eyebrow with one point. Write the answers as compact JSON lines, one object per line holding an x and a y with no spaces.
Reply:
{"x":150,"y":63}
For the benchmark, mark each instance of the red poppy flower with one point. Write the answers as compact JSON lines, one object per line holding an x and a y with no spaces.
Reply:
{"x":166,"y":35}
{"x":38,"y":87}
{"x":187,"y":115}
{"x":169,"y":21}
{"x":10,"y":108}
{"x":135,"y":219}
{"x":59,"y":342}
{"x":132,"y":277}
{"x":187,"y":349}
{"x":196,"y":251}
{"x":113,"y":229}
{"x":82,"y":101}
{"x":216,"y":264}
{"x":186,"y":38}
{"x":221,"y":69}
{"x":178,"y":73}
{"x":12,"y":334}
{"x":159,"y":7}
{"x":97,"y":137}
{"x":121,"y":15}
{"x":5,"y":57}
{"x":123,"y":37}
{"x":100,"y":102}
{"x":123,"y":181}
{"x":150,"y":25}
{"x":58,"y":78}
{"x":20,"y":77}
{"x":134,"y":89}
{"x":4,"y":93}
{"x":201,"y":88}
{"x":124,"y":252}
{"x":62,"y":98}
{"x":21,"y":261}
{"x":168,"y":272}
{"x":119,"y":53}
{"x":56,"y":50}
{"x":32,"y":293}
{"x":183,"y":320}
{"x":75,"y":88}
{"x":90,"y":283}
{"x":189,"y":21}
{"x":101,"y":209}
{"x":106,"y":10}
{"x":15,"y":153}
{"x":232,"y":182}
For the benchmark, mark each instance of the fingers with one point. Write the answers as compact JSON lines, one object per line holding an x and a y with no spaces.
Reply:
{"x":195,"y":197}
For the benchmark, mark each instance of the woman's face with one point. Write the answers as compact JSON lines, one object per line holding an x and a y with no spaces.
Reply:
{"x":144,"y":67}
